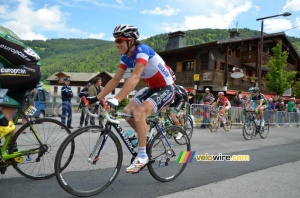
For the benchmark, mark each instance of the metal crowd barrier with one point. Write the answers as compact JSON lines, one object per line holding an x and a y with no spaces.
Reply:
{"x":201,"y":113}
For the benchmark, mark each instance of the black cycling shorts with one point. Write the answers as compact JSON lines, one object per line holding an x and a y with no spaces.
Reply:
{"x":158,"y":97}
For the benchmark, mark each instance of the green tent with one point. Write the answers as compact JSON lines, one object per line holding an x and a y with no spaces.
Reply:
{"x":8,"y":31}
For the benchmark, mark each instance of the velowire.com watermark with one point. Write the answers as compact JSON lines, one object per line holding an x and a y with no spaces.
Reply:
{"x":188,"y":156}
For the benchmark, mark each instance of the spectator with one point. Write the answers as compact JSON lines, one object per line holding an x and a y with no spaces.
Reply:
{"x":84,"y":117}
{"x":94,"y":90}
{"x":192,"y":97}
{"x":270,"y":109}
{"x":279,"y":108}
{"x":237,"y":100}
{"x":291,"y":105}
{"x":207,"y":96}
{"x":29,"y":101}
{"x":66,"y":96}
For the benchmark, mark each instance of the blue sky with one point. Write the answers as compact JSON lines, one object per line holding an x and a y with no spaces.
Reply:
{"x":47,"y":19}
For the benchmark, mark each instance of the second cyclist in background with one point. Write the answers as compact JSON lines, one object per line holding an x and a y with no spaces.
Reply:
{"x":178,"y":104}
{"x":224,"y":104}
{"x":258,"y":103}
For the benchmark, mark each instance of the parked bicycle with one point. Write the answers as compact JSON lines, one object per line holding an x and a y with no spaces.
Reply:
{"x":251,"y":128}
{"x":217,"y":119}
{"x":32,"y":153}
{"x":98,"y":155}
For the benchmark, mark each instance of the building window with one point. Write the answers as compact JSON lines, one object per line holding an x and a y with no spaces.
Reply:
{"x":229,"y":52}
{"x":55,"y":90}
{"x":238,"y":53}
{"x":249,"y":72}
{"x":188,"y":66}
{"x":222,"y":66}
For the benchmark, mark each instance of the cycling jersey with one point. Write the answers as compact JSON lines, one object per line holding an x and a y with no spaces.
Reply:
{"x":156,"y":74}
{"x":180,"y":98}
{"x":19,"y":66}
{"x":222,"y":101}
{"x":14,"y":52}
{"x":257,"y":99}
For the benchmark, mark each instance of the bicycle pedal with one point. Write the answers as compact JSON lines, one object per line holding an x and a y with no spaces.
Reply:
{"x":18,"y":159}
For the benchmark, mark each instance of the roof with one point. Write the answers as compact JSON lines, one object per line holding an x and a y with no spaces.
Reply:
{"x":79,"y":76}
{"x":233,"y":40}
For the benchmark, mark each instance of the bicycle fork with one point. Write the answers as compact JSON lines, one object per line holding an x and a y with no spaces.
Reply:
{"x":101,"y":141}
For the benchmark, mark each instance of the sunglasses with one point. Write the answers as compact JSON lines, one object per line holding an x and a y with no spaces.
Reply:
{"x":121,"y":40}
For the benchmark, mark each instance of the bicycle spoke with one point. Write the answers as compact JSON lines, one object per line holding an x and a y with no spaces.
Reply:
{"x":37,"y":161}
{"x":163,"y":164}
{"x":88,"y":175}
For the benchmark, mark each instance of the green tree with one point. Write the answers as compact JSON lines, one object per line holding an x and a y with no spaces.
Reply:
{"x":296,"y":89}
{"x":278,"y":79}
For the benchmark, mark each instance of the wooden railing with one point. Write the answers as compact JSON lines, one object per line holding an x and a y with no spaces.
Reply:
{"x":251,"y":57}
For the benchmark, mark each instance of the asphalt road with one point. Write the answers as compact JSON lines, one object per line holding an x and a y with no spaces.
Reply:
{"x":273,"y":170}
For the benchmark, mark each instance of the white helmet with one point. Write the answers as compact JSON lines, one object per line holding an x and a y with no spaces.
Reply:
{"x":127,"y":31}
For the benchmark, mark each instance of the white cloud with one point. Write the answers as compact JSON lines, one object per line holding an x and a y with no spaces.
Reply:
{"x":276,"y":25}
{"x":23,"y":20}
{"x":97,"y":36}
{"x":220,"y":16}
{"x":292,"y":5}
{"x":168,"y":11}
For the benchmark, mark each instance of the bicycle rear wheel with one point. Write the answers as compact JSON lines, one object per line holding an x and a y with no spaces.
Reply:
{"x":164,"y":155}
{"x":89,"y":174}
{"x":214,"y":124}
{"x":37,"y":161}
{"x":188,"y":125}
{"x":265,"y":130}
{"x":248,"y":129}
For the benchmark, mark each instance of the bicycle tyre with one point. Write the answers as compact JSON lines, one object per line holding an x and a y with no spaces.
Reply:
{"x":214,"y":124}
{"x":160,"y":158}
{"x":83,"y":177}
{"x":188,"y":125}
{"x":264,"y":133}
{"x":248,"y":129}
{"x":51,"y":133}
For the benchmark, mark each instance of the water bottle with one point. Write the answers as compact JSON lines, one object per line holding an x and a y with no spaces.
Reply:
{"x":131,"y":136}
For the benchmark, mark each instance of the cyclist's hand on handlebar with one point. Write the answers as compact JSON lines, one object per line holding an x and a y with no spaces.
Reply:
{"x":89,"y":100}
{"x":113,"y":103}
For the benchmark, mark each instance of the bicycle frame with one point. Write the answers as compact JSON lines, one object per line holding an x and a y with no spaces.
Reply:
{"x":115,"y":124}
{"x":5,"y":155}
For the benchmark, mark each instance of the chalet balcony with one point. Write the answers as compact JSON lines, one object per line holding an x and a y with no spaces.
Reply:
{"x":210,"y":78}
{"x":251,"y":57}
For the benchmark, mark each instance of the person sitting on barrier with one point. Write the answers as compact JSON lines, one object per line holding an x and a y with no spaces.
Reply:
{"x":257,"y":102}
{"x":20,"y":72}
{"x":223,"y":103}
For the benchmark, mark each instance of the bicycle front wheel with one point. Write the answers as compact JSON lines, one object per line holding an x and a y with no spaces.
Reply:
{"x":188,"y":125}
{"x":96,"y":162}
{"x":214,"y":124}
{"x":38,"y":145}
{"x":265,"y":130}
{"x":164,"y":153}
{"x":248,"y":129}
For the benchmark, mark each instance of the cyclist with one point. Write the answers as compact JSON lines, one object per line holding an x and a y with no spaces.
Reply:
{"x":150,"y":67}
{"x":223,"y":103}
{"x":19,"y":72}
{"x":176,"y":107}
{"x":257,"y":102}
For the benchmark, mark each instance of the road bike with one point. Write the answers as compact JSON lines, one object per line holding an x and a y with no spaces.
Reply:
{"x":216,"y":120}
{"x":185,"y":121}
{"x":98,"y":155}
{"x":32,"y":148}
{"x":251,"y":128}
